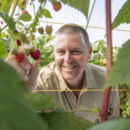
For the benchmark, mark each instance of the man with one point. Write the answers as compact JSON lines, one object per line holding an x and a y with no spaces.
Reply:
{"x":70,"y":78}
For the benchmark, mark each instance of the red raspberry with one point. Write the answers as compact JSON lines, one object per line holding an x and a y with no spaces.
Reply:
{"x":124,"y":108}
{"x":123,"y":100}
{"x":57,"y":6}
{"x":35,"y":54}
{"x":24,"y":12}
{"x":127,"y":97}
{"x":19,"y":57}
{"x":18,"y":42}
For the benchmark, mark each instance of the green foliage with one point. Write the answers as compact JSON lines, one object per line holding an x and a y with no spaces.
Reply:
{"x":123,"y":16}
{"x":3,"y":54}
{"x":58,"y":119}
{"x":113,"y":125}
{"x":82,"y":5}
{"x":6,"y":4}
{"x":8,"y":45}
{"x":15,"y":110}
{"x":46,"y":13}
{"x":25,"y":17}
{"x":18,"y":105}
{"x":120,"y":71}
{"x":8,"y":20}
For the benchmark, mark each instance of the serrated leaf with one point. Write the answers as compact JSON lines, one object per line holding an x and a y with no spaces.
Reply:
{"x":113,"y":125}
{"x":120,"y":72}
{"x":25,"y":17}
{"x":20,"y":23}
{"x":46,"y":13}
{"x":3,"y":54}
{"x":123,"y":16}
{"x":8,"y":20}
{"x":15,"y":108}
{"x":58,"y":120}
{"x":6,"y":4}
{"x":8,"y":45}
{"x":15,"y":36}
{"x":79,"y":123}
{"x":41,"y":102}
{"x":81,"y":5}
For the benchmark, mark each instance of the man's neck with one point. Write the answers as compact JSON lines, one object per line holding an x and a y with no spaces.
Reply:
{"x":76,"y":85}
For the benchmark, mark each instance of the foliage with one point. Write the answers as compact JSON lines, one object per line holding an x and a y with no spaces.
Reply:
{"x":18,"y":106}
{"x":123,"y":15}
{"x":82,"y":5}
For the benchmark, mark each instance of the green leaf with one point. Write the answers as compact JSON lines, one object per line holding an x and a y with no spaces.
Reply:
{"x":3,"y":54}
{"x":15,"y":109}
{"x":32,"y":27}
{"x":6,"y":4}
{"x":8,"y":45}
{"x":58,"y":120}
{"x":120,"y":72}
{"x":123,"y":16}
{"x":113,"y":125}
{"x":41,"y":101}
{"x":79,"y":123}
{"x":25,"y":17}
{"x":8,"y":20}
{"x":20,"y":23}
{"x":15,"y":36}
{"x":81,"y":5}
{"x":46,"y":13}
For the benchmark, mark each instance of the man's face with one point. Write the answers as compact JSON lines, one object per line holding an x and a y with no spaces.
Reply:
{"x":71,"y":56}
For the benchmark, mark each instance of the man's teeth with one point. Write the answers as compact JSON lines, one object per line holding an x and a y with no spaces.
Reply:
{"x":70,"y":67}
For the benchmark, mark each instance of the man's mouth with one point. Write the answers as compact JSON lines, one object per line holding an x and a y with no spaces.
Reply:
{"x":70,"y":67}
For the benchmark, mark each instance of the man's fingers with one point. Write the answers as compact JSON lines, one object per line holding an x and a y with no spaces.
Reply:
{"x":26,"y":64}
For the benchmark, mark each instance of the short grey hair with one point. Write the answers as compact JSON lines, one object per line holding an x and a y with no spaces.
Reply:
{"x":75,"y":29}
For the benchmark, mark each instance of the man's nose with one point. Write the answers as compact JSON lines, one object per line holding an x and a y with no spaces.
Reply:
{"x":68,"y":58}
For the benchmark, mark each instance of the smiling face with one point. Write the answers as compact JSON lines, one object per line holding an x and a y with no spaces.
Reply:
{"x":71,"y":56}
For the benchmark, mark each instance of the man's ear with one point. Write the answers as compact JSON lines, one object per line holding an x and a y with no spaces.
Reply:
{"x":89,"y":52}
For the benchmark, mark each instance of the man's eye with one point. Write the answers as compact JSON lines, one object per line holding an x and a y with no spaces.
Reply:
{"x":60,"y":52}
{"x":76,"y":52}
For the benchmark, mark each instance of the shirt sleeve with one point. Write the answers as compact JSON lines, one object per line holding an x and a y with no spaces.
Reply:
{"x":114,"y":101}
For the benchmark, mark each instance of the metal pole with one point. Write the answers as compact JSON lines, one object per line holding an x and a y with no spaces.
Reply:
{"x":90,"y":14}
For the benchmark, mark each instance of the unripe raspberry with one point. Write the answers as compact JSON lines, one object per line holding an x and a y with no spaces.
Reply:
{"x":48,"y":29}
{"x":41,"y":30}
{"x":22,"y":2}
{"x":23,"y":37}
{"x":32,"y":36}
{"x":14,"y":51}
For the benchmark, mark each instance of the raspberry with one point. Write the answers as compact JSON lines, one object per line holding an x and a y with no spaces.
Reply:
{"x":35,"y":54}
{"x":32,"y":36}
{"x":18,"y":42}
{"x":127,"y":97}
{"x":124,"y":108}
{"x":57,"y":6}
{"x":19,"y":57}
{"x":48,"y":29}
{"x":41,"y":1}
{"x":24,"y":12}
{"x":123,"y":100}
{"x":23,"y":37}
{"x":22,"y":2}
{"x":41,"y":30}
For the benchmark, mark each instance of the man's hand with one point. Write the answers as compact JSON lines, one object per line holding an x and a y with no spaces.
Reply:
{"x":28,"y":71}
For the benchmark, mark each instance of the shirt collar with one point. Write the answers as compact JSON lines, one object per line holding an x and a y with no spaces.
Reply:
{"x":88,"y":82}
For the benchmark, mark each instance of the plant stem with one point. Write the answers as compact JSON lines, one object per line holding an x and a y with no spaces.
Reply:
{"x":86,"y":110}
{"x":34,"y":10}
{"x":14,"y":6}
{"x":103,"y":112}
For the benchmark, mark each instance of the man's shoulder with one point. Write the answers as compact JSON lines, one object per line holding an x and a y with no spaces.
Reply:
{"x":96,"y":69}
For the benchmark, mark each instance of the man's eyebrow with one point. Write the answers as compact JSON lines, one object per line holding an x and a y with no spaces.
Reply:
{"x":59,"y":49}
{"x":76,"y":48}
